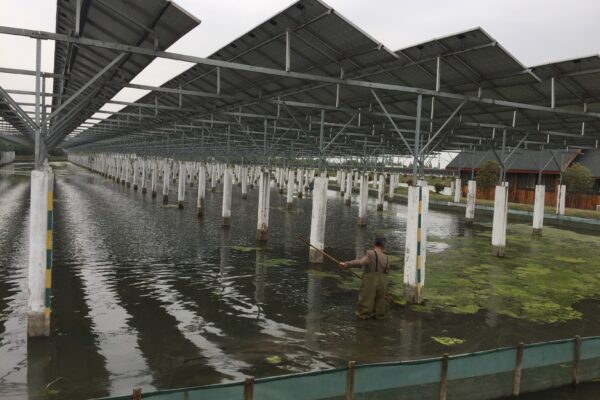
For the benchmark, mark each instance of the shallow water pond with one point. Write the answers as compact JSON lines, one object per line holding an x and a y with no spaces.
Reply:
{"x":153,"y":297}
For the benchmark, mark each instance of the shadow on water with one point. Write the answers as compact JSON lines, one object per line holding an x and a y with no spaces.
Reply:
{"x":151,"y":296}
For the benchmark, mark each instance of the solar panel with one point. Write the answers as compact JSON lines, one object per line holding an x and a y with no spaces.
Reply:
{"x":153,"y":23}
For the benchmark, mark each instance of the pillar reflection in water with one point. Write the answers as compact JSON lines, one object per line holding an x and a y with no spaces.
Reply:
{"x":38,"y":360}
{"x":224,"y":252}
{"x":494,"y":302}
{"x":313,"y":311}
{"x":260,"y":273}
{"x":411,"y":336}
{"x":359,"y":240}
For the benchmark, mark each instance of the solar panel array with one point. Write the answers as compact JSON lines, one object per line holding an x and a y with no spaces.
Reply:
{"x":210,"y":110}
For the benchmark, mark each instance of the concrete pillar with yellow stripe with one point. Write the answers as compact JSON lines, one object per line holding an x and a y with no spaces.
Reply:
{"x":39,"y":278}
{"x":49,"y":250}
{"x":416,"y":243}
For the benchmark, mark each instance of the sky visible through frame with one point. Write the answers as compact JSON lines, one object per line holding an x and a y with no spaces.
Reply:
{"x":534,"y":31}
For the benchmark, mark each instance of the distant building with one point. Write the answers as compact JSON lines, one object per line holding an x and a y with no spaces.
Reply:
{"x":591,"y":160}
{"x":524,"y":168}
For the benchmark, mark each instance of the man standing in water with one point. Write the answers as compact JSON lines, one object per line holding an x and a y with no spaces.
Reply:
{"x":375,"y":279}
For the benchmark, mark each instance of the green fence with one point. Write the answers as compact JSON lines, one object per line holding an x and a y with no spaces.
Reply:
{"x":480,"y":375}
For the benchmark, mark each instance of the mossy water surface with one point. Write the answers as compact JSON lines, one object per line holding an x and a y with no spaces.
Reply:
{"x":539,"y":279}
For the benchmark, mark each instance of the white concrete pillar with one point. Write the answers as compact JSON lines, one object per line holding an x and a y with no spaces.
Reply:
{"x":144,"y":176}
{"x":317,"y":221}
{"x":290,"y":189}
{"x":416,"y":243}
{"x":300,"y":182}
{"x":127,"y":168}
{"x":281,"y":180}
{"x":234,"y":175}
{"x":392,"y":186}
{"x":380,"y":190}
{"x":181,"y":186}
{"x":560,"y":199}
{"x":201,"y":190}
{"x":538,"y":210}
{"x":213,"y":178}
{"x":118,"y":169}
{"x":226,"y":214}
{"x":154,"y":177}
{"x":190,"y":169}
{"x":134,"y":179}
{"x":363,"y":199}
{"x":348,"y":191}
{"x":499,"y":221}
{"x":471,"y":197}
{"x":123,"y":170}
{"x":458,"y":190}
{"x":264,"y":195}
{"x":452,"y":188}
{"x":244,"y":179}
{"x":166,"y":181}
{"x":37,"y":324}
{"x":252,"y":177}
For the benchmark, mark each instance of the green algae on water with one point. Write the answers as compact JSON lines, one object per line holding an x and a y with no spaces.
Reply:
{"x":244,"y":249}
{"x":350,"y":283}
{"x":395,"y":261}
{"x":323,"y":274}
{"x":274,"y":359}
{"x":447,"y":341}
{"x":535,"y":281}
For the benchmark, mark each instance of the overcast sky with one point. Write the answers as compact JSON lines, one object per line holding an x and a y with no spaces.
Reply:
{"x":534,"y":31}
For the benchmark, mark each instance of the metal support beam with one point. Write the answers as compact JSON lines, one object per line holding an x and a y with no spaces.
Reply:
{"x":282,"y":73}
{"x":89,"y":83}
{"x":394,"y":124}
{"x":417,"y":138}
{"x":441,"y":128}
{"x":321,"y":135}
{"x":287,"y":51}
{"x":78,"y":5}
{"x":552,"y":93}
{"x":338,"y":134}
{"x":39,"y":149}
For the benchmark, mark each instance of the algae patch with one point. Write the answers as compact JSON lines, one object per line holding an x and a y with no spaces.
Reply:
{"x":244,"y":249}
{"x":447,"y":341}
{"x":322,"y":274}
{"x":535,"y":281}
{"x":274,"y":359}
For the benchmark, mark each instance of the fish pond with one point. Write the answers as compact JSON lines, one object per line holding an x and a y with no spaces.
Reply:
{"x":151,"y":296}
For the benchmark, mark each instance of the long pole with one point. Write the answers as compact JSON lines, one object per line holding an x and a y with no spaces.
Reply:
{"x":338,"y":263}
